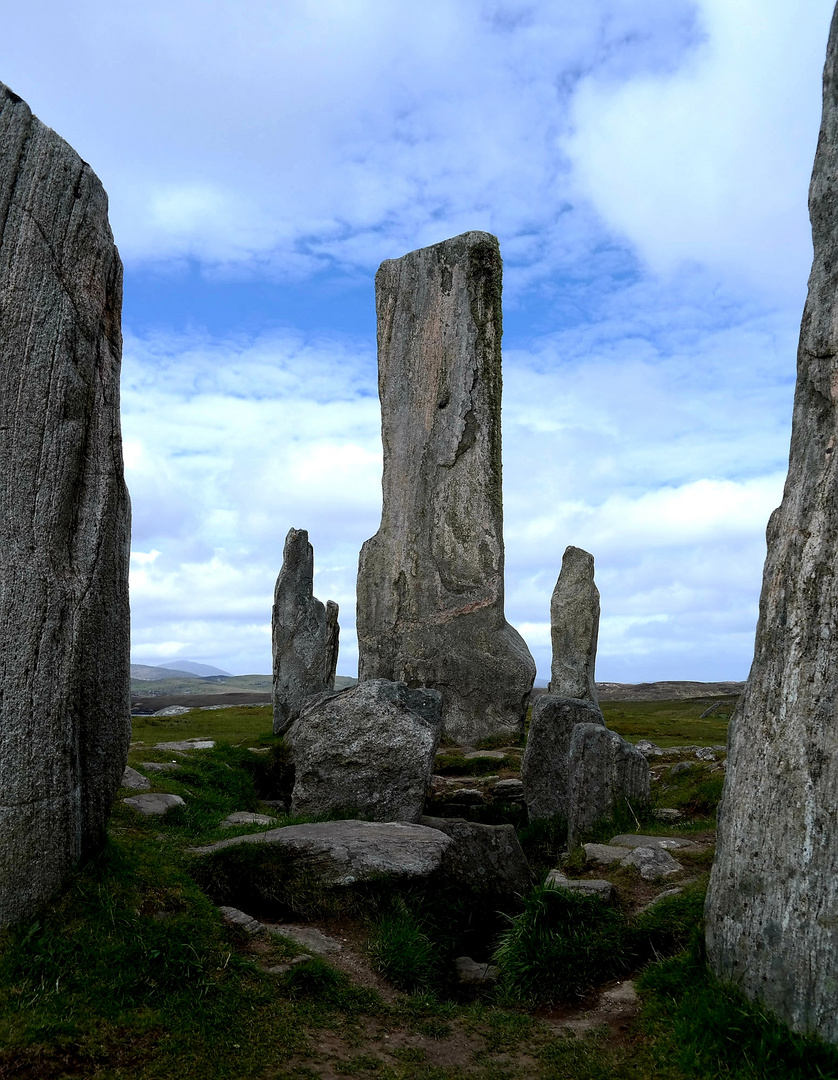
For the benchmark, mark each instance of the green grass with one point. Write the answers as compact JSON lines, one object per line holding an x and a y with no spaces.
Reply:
{"x":402,"y":951}
{"x":239,"y":725}
{"x":455,"y":764}
{"x":667,"y":723}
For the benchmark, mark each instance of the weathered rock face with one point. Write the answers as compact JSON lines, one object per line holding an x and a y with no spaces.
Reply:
{"x":545,"y":768}
{"x":64,"y":513}
{"x":305,"y":634}
{"x":574,"y":627}
{"x":487,"y":860}
{"x":369,"y":749}
{"x":604,"y":770}
{"x":772,"y":908}
{"x":430,"y":582}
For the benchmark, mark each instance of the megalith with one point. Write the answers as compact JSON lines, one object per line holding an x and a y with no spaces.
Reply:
{"x":64,"y":513}
{"x":574,"y":627}
{"x":430,"y":582}
{"x":605,"y":772}
{"x":545,"y":767}
{"x":304,"y":634}
{"x":772,"y":907}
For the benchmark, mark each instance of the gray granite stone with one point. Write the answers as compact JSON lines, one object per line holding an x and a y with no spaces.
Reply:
{"x":574,"y":627}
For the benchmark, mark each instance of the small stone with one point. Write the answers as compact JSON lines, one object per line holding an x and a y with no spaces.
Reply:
{"x":466,"y":796}
{"x":494,"y":755}
{"x":603,"y":890}
{"x":667,"y":843}
{"x":667,"y":814}
{"x":603,"y":854}
{"x":154,"y":803}
{"x":649,"y":749}
{"x":283,"y":969}
{"x":308,"y":936}
{"x":233,"y":917}
{"x":243,"y":817}
{"x":160,"y":766}
{"x":681,"y":767}
{"x":653,"y":863}
{"x":184,"y":745}
{"x":705,"y":753}
{"x":511,"y":790}
{"x":132,"y":779}
{"x":470,"y":973}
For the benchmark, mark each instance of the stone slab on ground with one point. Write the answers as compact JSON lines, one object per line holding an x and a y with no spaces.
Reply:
{"x":134,"y":780}
{"x":486,"y":859}
{"x":245,"y":817}
{"x":153,"y":804}
{"x":603,"y":854}
{"x":510,"y":790}
{"x":234,"y":917}
{"x":185,"y":745}
{"x":667,"y":843}
{"x":603,"y":890}
{"x":308,"y":936}
{"x":160,"y":766}
{"x":653,"y":863}
{"x":346,"y":852}
{"x":472,"y":973}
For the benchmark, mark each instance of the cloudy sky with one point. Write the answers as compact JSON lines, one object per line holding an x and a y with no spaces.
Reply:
{"x":645,"y":164}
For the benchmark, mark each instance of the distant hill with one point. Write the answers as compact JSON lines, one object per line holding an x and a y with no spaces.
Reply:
{"x":154,"y":674}
{"x":196,"y":669}
{"x":177,"y":685}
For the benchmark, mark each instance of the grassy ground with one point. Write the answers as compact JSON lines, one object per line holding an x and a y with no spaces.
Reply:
{"x":130,"y":974}
{"x":670,"y":723}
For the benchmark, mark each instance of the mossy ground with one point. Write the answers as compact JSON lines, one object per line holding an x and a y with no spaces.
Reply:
{"x":130,"y":972}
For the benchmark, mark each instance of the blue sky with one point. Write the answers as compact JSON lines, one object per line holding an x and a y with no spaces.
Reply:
{"x":645,"y":164}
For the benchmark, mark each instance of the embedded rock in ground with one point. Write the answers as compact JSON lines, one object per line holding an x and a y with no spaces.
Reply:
{"x":485,"y":859}
{"x":64,"y":513}
{"x":603,"y":854}
{"x":511,"y":790}
{"x":153,"y":804}
{"x":183,"y":746}
{"x":772,"y":906}
{"x":605,"y":772}
{"x":430,"y":582}
{"x":472,"y":974}
{"x":369,"y":750}
{"x":574,"y":627}
{"x":245,"y":817}
{"x":545,"y":765}
{"x":665,"y":843}
{"x":602,"y":890}
{"x":134,"y":780}
{"x":348,"y":852}
{"x":653,"y":863}
{"x":309,"y":937}
{"x":305,"y":640}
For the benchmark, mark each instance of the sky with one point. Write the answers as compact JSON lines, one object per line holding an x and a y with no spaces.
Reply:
{"x":645,"y":165}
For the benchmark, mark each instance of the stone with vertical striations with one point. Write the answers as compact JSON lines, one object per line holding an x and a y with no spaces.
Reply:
{"x":305,"y":634}
{"x":64,"y":513}
{"x":604,"y":773}
{"x":772,"y":907}
{"x":545,"y":765}
{"x":430,"y":582}
{"x":574,"y":627}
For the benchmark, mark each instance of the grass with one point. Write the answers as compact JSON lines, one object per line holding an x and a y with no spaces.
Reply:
{"x":239,"y":725}
{"x":667,"y":723}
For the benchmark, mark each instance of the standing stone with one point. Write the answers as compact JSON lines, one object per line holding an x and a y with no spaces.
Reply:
{"x":574,"y":627}
{"x":305,"y":635}
{"x":64,"y":513}
{"x":369,"y":750}
{"x":545,"y":765}
{"x":605,"y":772}
{"x":430,"y":582}
{"x":772,"y":908}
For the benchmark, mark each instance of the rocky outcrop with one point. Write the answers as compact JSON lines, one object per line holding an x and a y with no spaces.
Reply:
{"x":64,"y":513}
{"x":305,"y":634}
{"x":772,"y":907}
{"x":604,"y":771}
{"x":545,"y":768}
{"x":430,"y":582}
{"x":574,"y":627}
{"x":369,"y":750}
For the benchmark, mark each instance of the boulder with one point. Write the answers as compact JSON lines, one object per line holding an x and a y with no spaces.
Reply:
{"x":305,"y":643}
{"x":134,"y":780}
{"x":430,"y":582}
{"x":574,"y":627}
{"x":545,"y":765}
{"x":344,"y":853}
{"x":64,"y":514}
{"x":484,"y":859}
{"x":604,"y":771}
{"x":368,"y":749}
{"x":602,"y":890}
{"x":772,"y":905}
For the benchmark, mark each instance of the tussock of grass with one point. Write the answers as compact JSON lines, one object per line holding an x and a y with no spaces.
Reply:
{"x":403,"y":952}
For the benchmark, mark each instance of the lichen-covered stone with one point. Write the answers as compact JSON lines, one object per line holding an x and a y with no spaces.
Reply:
{"x":430,"y":582}
{"x":64,"y":513}
{"x":369,"y":749}
{"x":545,"y":768}
{"x":305,"y":634}
{"x":604,"y":771}
{"x":772,"y":907}
{"x":574,"y":627}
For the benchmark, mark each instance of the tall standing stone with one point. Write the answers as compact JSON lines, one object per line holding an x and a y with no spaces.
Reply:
{"x":305,"y":640}
{"x":430,"y":582}
{"x":64,"y":513}
{"x":772,"y":908}
{"x":574,"y":627}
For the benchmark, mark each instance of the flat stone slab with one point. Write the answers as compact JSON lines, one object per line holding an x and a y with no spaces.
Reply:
{"x":511,"y":789}
{"x":603,"y":854}
{"x":666,"y":843}
{"x":233,"y":917}
{"x":160,"y":766}
{"x":186,"y":744}
{"x":154,"y":803}
{"x":494,"y":755}
{"x":603,"y":890}
{"x":308,"y":936}
{"x":134,"y":780}
{"x":243,"y":817}
{"x":347,"y":852}
{"x":471,"y":973}
{"x":466,"y":796}
{"x":653,"y":863}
